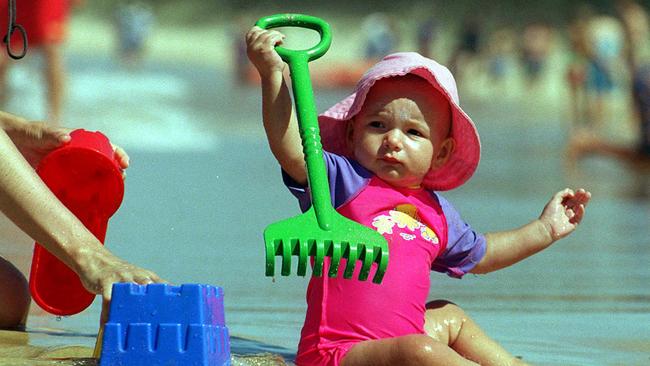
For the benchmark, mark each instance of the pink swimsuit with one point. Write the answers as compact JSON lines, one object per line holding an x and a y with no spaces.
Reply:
{"x":343,"y":312}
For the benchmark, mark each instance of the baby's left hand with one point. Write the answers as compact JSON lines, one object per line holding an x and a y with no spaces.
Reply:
{"x":564,"y":212}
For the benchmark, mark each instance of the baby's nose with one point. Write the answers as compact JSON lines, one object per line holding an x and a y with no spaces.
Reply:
{"x":393,"y":140}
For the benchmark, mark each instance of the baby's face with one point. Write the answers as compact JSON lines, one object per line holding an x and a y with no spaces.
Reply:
{"x":401,"y":131}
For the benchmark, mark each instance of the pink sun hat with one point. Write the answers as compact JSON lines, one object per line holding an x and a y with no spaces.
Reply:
{"x":467,"y":151}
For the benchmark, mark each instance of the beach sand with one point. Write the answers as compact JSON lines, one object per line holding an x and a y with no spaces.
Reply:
{"x":17,"y":348}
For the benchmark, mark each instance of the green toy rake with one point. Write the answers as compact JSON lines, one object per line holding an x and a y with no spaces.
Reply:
{"x":321,"y":231}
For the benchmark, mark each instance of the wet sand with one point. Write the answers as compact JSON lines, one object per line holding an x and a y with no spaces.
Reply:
{"x":19,"y":348}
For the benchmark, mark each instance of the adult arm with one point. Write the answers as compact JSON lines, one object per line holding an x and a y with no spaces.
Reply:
{"x":26,"y":201}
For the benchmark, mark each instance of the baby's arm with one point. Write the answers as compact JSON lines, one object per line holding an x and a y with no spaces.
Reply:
{"x":560,"y":217}
{"x":277,"y":110}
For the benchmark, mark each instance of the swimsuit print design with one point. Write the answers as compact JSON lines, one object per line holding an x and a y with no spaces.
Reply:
{"x":405,"y":217}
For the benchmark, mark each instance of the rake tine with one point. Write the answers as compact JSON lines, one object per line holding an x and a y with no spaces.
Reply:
{"x":303,"y":254}
{"x":382,"y":262}
{"x":318,"y":257}
{"x":271,"y":247}
{"x":368,"y":256}
{"x":286,"y":257}
{"x":353,"y":254}
{"x":337,"y":252}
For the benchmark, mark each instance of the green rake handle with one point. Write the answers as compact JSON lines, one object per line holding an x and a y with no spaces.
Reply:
{"x":305,"y":106}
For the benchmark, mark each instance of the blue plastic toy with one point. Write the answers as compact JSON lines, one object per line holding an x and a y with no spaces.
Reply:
{"x":160,"y":324}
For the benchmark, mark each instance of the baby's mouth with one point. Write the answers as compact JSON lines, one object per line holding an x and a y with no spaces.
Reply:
{"x":390,"y":159}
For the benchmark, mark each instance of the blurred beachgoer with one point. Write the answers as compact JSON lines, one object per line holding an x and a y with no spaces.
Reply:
{"x":580,"y":54}
{"x":606,"y":41}
{"x":636,"y":25}
{"x":427,"y":33}
{"x":537,"y":42}
{"x":46,"y":23}
{"x":27,"y":201}
{"x":635,"y":22}
{"x":500,"y":50}
{"x":240,"y":61}
{"x":380,"y":35}
{"x":133,"y":23}
{"x":468,"y":48}
{"x":387,"y":148}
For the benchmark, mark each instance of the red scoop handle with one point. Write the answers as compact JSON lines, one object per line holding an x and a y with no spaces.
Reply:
{"x":85,"y":176}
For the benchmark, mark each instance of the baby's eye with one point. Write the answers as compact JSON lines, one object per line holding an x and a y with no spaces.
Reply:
{"x":415,"y":132}
{"x":376,"y":124}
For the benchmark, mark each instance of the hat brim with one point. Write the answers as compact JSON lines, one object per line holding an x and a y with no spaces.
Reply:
{"x":466,"y":155}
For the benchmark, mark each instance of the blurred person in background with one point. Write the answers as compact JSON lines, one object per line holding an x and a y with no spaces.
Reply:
{"x":635,"y":24}
{"x":241,"y":65}
{"x":576,"y":76}
{"x":380,"y":36}
{"x":427,"y":30}
{"x":500,"y":49}
{"x":605,"y":42}
{"x":46,"y":23}
{"x":536,"y":44}
{"x":133,"y":23}
{"x":468,"y":48}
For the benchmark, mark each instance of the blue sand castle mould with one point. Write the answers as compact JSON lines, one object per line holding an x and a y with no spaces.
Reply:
{"x":160,"y":324}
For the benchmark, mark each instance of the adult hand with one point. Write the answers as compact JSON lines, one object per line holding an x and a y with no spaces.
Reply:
{"x":35,"y":139}
{"x":102,"y":269}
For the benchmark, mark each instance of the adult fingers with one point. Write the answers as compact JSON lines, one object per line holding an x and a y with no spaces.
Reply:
{"x":121,"y":156}
{"x":106,"y":305}
{"x":107,"y":290}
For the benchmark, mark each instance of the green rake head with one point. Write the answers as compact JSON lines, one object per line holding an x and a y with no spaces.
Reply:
{"x":302,"y":237}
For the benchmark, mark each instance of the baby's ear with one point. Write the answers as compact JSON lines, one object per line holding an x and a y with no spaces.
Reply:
{"x":349,"y":132}
{"x":444,"y":153}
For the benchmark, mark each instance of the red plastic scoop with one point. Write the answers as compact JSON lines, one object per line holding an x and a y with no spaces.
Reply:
{"x":87,"y":179}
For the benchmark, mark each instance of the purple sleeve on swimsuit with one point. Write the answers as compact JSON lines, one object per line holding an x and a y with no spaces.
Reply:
{"x":346,"y":179}
{"x":465,"y":247}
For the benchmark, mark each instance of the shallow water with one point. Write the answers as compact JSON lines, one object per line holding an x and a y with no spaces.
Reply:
{"x":202,"y":187}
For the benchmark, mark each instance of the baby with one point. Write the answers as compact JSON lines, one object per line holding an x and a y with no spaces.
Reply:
{"x":390,"y":146}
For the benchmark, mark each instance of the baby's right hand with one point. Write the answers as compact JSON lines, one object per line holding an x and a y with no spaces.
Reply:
{"x":261,"y":50}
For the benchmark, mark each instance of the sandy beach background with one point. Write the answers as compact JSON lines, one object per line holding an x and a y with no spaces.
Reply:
{"x":202,"y":186}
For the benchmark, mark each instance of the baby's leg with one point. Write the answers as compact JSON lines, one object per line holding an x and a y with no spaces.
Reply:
{"x":14,"y":296}
{"x":412,"y":350}
{"x":448,"y":324}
